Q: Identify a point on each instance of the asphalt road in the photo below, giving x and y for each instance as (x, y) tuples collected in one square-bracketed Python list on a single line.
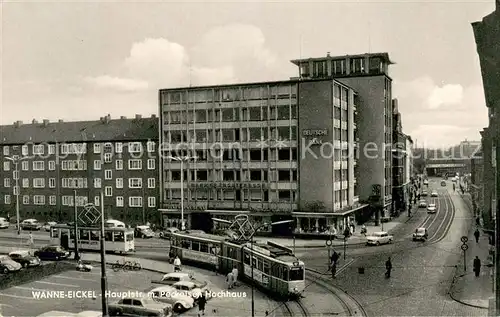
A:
[(21, 300), (422, 272)]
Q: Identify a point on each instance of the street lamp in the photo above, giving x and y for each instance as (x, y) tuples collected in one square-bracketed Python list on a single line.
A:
[(15, 160), (251, 247), (182, 159)]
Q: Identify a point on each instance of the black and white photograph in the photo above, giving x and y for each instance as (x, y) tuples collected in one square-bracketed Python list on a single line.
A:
[(242, 158)]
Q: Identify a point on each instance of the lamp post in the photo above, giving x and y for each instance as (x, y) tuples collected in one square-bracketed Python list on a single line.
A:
[(182, 159), (254, 231), (15, 160)]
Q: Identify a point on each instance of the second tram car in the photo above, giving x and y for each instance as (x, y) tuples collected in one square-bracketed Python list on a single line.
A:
[(275, 268)]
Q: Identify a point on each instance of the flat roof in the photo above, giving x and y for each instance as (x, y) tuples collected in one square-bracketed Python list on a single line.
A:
[(383, 55)]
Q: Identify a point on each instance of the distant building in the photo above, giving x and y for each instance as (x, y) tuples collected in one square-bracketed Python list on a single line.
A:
[(55, 159)]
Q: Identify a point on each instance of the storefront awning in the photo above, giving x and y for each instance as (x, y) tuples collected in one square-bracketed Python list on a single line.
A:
[(327, 214)]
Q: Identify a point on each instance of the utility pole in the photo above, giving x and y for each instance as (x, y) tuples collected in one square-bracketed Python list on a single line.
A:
[(496, 126), (104, 282)]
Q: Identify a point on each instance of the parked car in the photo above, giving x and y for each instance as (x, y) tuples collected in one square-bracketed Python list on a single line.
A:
[(46, 226), (31, 225), (434, 193), (422, 203), (420, 234), (52, 252), (172, 278), (170, 295), (431, 209), (195, 290), (24, 258), (7, 265), (4, 224), (144, 232), (378, 238), (168, 232), (139, 306)]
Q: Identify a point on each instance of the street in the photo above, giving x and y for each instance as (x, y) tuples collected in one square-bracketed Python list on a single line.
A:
[(422, 272)]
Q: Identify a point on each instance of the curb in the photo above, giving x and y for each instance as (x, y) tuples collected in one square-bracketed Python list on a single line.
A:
[(465, 303)]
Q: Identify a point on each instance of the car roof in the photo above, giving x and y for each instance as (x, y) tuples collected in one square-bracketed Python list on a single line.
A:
[(421, 228), (380, 232), (176, 274), (163, 288), (31, 219), (22, 252), (187, 283)]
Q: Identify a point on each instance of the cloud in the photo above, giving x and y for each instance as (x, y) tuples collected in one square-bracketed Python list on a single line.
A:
[(120, 84), (446, 95), (441, 115)]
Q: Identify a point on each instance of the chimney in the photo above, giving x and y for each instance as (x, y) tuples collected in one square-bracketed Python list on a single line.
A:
[(34, 121), (45, 122), (327, 54), (123, 118), (153, 116), (138, 117), (60, 121), (18, 123)]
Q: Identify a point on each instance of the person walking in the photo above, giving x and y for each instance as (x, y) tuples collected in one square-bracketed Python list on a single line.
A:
[(477, 266), (31, 241), (476, 235), (334, 258), (235, 275), (230, 280), (334, 269), (202, 301), (177, 264), (388, 267)]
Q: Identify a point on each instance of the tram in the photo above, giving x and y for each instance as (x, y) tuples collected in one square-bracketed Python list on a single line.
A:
[(116, 239), (275, 268)]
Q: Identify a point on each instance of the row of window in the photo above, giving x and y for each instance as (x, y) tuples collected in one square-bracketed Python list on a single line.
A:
[(39, 200), (81, 148), (339, 67), (230, 94), (81, 182), (81, 165), (232, 175), (283, 133)]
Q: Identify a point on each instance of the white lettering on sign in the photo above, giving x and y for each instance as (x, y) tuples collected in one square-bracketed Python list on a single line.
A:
[(199, 256), (308, 132), (257, 275)]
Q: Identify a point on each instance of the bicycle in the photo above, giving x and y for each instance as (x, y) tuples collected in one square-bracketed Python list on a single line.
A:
[(127, 266)]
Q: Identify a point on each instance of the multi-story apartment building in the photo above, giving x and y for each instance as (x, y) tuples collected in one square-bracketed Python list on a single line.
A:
[(273, 150), (52, 162), (400, 179), (368, 75), (410, 169)]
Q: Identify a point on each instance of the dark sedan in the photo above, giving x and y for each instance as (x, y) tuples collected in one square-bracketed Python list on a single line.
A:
[(52, 252), (24, 258)]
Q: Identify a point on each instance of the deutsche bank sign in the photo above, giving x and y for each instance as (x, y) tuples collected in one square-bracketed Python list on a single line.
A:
[(309, 132)]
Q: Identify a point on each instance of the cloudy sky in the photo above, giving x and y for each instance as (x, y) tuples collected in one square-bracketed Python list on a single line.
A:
[(80, 61)]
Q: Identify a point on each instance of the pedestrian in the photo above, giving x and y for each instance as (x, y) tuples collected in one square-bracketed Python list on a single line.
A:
[(478, 222), (230, 280), (476, 235), (177, 264), (202, 301), (388, 267), (235, 275), (31, 241), (477, 266), (334, 269), (334, 258)]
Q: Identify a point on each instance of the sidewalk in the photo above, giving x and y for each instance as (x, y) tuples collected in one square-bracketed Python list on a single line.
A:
[(466, 288), (235, 303)]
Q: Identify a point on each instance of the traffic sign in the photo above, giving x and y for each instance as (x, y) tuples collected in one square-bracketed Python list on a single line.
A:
[(464, 239), (328, 242), (464, 247)]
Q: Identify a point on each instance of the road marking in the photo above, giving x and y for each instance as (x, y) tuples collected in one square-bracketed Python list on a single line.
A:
[(73, 278), (31, 289), (17, 296), (58, 284)]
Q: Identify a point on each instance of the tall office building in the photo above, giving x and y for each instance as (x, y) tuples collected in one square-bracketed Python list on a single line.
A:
[(273, 150), (368, 75)]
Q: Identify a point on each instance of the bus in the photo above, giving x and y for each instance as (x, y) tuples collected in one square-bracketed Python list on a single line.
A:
[(117, 240)]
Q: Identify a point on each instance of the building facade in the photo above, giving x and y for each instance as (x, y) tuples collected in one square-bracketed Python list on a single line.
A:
[(410, 169), (487, 37), (400, 170), (273, 150), (54, 162), (368, 75)]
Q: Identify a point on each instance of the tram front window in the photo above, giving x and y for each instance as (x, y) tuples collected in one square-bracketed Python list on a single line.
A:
[(296, 274), (129, 237)]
